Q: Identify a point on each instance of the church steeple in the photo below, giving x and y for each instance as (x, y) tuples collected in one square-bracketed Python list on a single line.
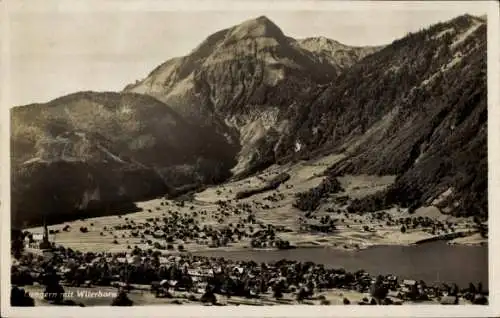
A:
[(45, 244), (45, 231)]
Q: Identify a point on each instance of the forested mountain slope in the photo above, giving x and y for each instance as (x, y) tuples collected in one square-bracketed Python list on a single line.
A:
[(105, 148), (417, 109)]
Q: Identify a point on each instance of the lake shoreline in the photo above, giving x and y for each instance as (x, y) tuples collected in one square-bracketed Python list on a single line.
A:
[(376, 260)]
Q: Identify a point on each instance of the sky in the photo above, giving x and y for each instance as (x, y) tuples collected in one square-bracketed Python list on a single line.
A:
[(55, 50)]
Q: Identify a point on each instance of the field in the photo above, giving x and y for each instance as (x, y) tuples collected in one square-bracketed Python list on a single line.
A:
[(272, 208)]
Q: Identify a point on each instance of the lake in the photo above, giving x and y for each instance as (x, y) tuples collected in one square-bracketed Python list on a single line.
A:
[(431, 262)]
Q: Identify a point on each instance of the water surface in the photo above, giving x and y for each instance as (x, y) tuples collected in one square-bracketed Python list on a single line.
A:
[(431, 262)]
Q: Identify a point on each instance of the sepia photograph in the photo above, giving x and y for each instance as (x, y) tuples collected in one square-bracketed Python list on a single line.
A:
[(314, 156)]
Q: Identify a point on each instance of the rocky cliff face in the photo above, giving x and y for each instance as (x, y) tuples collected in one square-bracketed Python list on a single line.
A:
[(243, 79)]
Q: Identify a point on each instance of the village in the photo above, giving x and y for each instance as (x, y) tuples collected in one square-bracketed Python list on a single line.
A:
[(149, 257), (178, 278)]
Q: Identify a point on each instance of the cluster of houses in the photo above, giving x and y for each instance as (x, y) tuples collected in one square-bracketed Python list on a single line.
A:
[(193, 273), (38, 241)]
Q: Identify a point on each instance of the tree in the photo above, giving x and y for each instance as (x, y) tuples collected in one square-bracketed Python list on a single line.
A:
[(122, 299), (472, 288), (281, 244), (209, 297), (20, 298), (379, 291), (480, 300), (17, 243), (228, 287), (454, 290), (54, 291), (414, 293), (17, 248), (310, 289), (302, 294), (278, 290), (403, 229)]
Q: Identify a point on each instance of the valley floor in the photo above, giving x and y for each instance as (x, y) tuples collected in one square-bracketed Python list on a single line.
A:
[(213, 220), (272, 208)]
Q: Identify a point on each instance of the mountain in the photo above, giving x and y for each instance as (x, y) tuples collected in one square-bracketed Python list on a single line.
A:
[(416, 109), (242, 80), (248, 97), (211, 109), (339, 55), (106, 148)]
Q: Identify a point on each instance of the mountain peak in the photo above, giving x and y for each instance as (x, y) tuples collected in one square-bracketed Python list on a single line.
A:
[(263, 19), (261, 26), (321, 42), (468, 19)]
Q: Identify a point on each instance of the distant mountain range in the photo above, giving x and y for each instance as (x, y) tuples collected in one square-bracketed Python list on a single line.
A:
[(249, 96)]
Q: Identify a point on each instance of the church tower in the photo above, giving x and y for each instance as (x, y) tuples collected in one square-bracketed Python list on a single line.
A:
[(45, 244)]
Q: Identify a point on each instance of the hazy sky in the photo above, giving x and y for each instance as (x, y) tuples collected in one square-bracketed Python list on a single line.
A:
[(56, 51)]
